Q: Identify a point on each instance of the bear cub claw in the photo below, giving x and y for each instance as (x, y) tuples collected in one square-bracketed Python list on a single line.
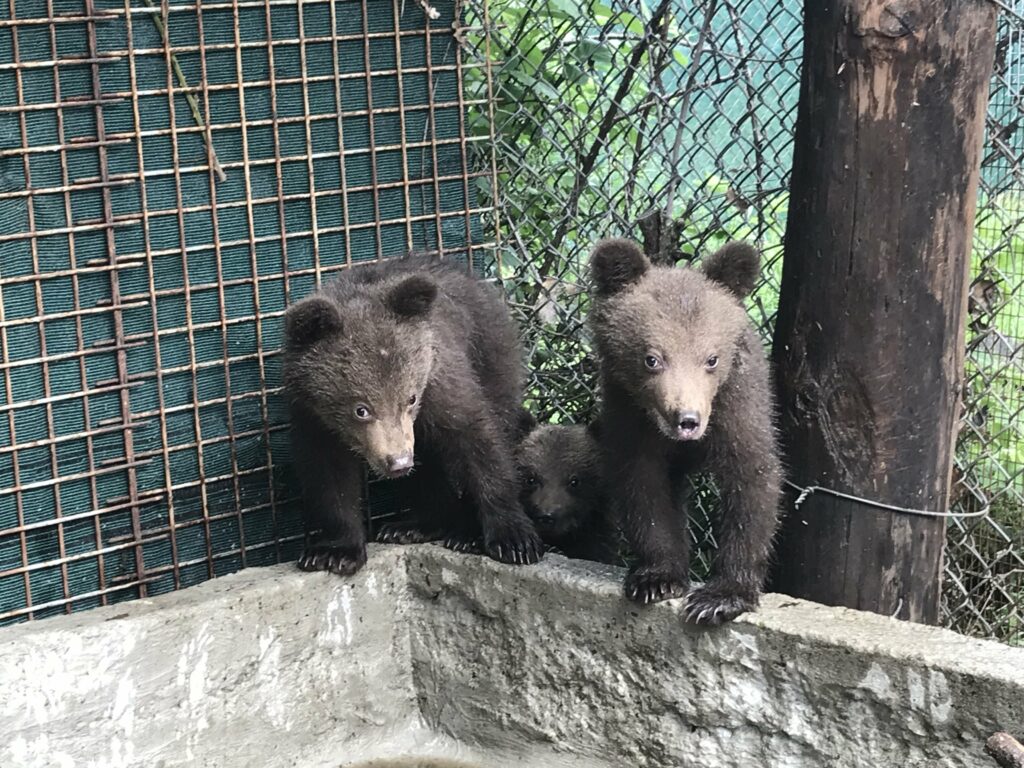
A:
[(650, 586), (715, 604), (470, 545), (342, 559), (405, 533), (516, 546)]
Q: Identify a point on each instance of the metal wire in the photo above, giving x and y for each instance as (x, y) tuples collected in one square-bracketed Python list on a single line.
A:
[(803, 492)]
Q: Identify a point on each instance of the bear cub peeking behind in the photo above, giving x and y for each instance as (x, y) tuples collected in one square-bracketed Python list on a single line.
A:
[(563, 490), (686, 388), (415, 368)]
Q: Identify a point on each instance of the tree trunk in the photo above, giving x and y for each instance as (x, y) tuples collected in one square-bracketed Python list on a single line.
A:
[(869, 340)]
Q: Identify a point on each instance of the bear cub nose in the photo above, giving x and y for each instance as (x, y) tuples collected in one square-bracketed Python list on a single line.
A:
[(399, 465), (688, 421)]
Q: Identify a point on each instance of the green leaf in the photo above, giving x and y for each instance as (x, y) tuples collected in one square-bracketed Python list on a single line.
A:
[(537, 86), (632, 23), (569, 9)]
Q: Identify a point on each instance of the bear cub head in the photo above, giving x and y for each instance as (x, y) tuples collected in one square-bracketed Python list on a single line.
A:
[(560, 471), (669, 337), (360, 360)]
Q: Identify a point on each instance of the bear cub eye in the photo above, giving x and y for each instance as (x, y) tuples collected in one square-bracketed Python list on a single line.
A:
[(413, 400), (574, 481), (652, 362), (362, 412), (711, 363), (530, 480)]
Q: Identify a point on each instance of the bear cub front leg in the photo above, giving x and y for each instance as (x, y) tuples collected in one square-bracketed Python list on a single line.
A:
[(643, 497), (332, 484)]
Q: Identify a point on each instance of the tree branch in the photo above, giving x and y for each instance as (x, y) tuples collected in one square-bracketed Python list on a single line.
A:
[(607, 121)]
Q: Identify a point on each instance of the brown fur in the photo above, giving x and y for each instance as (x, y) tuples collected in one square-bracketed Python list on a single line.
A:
[(563, 491), (686, 388), (407, 360)]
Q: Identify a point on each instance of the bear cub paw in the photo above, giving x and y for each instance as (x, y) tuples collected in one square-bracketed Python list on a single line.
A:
[(650, 585), (342, 559), (516, 545), (714, 604), (406, 533)]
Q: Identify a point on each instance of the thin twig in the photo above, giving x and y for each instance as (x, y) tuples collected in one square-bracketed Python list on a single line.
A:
[(684, 108), (583, 172), (658, 66), (197, 116), (755, 124)]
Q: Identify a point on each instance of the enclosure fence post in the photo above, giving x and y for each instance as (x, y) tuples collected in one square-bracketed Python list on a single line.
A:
[(869, 341)]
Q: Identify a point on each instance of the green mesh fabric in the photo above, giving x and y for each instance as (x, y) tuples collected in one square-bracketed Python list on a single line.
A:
[(143, 441)]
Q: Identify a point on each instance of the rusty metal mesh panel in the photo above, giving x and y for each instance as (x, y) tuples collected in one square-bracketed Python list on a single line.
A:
[(984, 590), (171, 177), (608, 110)]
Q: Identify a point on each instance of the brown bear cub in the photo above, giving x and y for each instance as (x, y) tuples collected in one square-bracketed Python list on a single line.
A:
[(405, 354), (563, 490), (686, 388)]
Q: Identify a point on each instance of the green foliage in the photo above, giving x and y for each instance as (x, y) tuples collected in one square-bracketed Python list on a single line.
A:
[(583, 137)]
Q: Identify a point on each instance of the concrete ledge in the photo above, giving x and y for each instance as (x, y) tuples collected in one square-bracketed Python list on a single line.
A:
[(435, 655)]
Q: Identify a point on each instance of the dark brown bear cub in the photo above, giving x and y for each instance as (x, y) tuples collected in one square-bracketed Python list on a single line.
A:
[(563, 490), (686, 388), (415, 367)]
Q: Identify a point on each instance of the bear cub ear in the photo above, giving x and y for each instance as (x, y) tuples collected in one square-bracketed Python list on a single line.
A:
[(736, 266), (525, 423), (310, 320), (617, 263), (413, 297)]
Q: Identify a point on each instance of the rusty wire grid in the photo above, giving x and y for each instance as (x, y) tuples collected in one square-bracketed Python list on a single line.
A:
[(171, 177), (680, 114)]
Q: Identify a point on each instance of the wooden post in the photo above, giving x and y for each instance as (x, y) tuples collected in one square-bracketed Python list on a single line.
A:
[(869, 340)]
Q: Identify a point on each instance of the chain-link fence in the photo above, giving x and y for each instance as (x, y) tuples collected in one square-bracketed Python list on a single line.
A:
[(673, 123), (984, 592)]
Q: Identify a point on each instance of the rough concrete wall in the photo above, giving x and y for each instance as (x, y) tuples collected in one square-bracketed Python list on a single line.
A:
[(263, 668), (430, 653), (555, 655)]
